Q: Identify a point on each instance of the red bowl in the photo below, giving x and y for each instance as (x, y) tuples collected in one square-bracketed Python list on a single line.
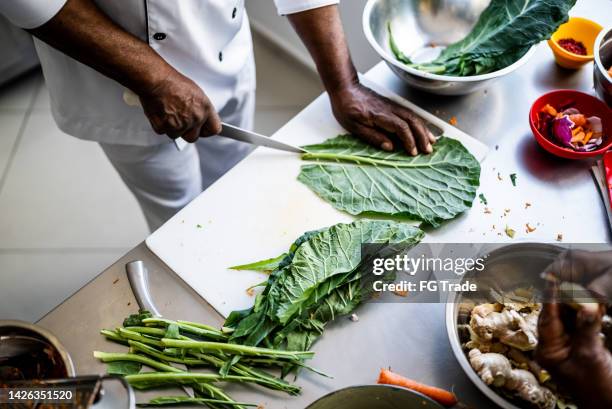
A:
[(587, 105)]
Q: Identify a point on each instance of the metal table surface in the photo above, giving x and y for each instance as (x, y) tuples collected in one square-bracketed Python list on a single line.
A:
[(411, 338)]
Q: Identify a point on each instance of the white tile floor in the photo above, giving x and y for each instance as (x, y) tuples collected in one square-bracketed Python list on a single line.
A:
[(57, 228)]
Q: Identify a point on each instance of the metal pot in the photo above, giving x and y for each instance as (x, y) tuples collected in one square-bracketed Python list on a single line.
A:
[(603, 62), (516, 263), (19, 339), (374, 397), (421, 23)]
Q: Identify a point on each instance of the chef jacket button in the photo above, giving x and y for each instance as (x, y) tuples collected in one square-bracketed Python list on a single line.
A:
[(220, 56), (234, 12), (159, 36)]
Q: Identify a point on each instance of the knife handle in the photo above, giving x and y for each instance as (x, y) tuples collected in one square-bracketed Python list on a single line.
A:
[(138, 276)]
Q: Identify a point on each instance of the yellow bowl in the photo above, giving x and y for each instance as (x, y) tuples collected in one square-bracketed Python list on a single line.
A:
[(579, 29)]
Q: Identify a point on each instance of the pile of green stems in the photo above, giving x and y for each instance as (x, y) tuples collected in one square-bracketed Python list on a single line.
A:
[(197, 345)]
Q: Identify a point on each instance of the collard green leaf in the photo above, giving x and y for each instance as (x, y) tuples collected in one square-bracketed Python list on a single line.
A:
[(361, 180), (321, 280), (505, 31), (331, 252)]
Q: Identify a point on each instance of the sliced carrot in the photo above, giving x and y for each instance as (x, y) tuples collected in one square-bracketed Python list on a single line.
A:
[(579, 137), (549, 110), (576, 130), (441, 396), (578, 119), (587, 138)]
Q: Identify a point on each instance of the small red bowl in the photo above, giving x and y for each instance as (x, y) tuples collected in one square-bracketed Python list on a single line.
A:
[(587, 105)]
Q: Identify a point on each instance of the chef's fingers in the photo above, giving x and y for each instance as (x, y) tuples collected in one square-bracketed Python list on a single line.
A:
[(588, 327), (579, 266), (373, 137), (602, 287), (398, 127), (416, 123), (551, 331), (212, 126), (193, 134)]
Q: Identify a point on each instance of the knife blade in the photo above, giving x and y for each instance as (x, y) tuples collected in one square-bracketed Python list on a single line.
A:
[(242, 135)]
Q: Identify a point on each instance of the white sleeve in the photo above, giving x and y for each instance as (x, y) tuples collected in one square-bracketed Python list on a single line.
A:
[(30, 13), (285, 7)]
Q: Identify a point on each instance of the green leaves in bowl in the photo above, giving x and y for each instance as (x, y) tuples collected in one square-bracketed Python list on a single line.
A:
[(505, 31)]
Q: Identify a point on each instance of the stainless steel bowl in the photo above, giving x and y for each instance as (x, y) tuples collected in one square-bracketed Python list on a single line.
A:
[(374, 397), (505, 265), (603, 61), (19, 338), (421, 29)]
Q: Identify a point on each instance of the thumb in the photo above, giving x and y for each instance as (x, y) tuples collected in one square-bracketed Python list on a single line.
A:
[(588, 325)]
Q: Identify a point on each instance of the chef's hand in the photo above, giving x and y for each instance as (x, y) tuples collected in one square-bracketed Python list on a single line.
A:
[(571, 350), (591, 269), (174, 104), (375, 119), (177, 107), (379, 121)]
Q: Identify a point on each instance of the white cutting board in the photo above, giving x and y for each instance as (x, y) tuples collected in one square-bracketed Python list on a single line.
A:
[(257, 210)]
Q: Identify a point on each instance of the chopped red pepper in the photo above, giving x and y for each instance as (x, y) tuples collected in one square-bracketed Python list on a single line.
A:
[(573, 46)]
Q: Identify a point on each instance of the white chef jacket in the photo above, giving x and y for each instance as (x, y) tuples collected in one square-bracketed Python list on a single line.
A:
[(208, 41)]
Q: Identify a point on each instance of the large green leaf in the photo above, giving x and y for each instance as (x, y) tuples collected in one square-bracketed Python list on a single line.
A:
[(361, 180), (332, 252), (320, 279), (505, 31)]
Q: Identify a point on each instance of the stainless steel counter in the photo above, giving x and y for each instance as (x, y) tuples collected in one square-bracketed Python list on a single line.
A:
[(410, 338)]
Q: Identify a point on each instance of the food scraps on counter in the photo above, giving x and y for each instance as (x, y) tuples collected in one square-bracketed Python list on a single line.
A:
[(483, 199), (568, 127), (160, 344), (513, 179), (573, 46), (505, 31), (359, 179), (444, 397)]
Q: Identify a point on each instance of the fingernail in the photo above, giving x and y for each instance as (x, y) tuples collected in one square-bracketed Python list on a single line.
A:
[(387, 146), (414, 152), (428, 148)]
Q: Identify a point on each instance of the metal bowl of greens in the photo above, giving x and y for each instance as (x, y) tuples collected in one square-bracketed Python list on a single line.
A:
[(602, 70), (374, 397), (454, 47)]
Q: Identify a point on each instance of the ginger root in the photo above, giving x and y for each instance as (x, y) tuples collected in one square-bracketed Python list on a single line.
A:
[(495, 369), (510, 327)]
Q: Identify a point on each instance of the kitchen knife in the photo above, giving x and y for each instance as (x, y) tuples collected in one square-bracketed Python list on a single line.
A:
[(138, 276), (242, 135), (599, 172)]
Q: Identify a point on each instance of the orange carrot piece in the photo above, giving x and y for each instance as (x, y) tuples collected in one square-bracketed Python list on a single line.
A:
[(578, 119), (441, 396), (576, 130), (579, 137), (587, 138), (549, 110)]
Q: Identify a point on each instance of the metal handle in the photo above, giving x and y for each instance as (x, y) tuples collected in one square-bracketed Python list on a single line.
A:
[(138, 276)]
